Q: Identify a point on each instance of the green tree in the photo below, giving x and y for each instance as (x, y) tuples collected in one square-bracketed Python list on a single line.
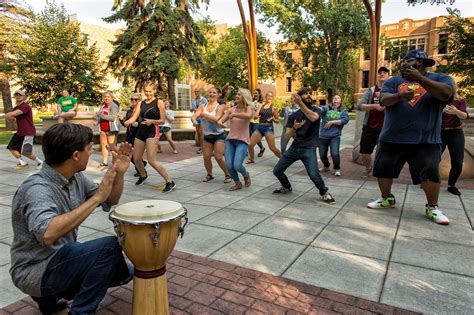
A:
[(225, 59), (329, 33), (160, 37), (459, 60), (14, 18), (56, 56)]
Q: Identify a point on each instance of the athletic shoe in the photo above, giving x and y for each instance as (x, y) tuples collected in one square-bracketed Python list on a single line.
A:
[(141, 180), (282, 190), (324, 169), (434, 214), (367, 173), (454, 190), (20, 166), (175, 152), (337, 173), (382, 203), (169, 187), (327, 198), (38, 166), (50, 305)]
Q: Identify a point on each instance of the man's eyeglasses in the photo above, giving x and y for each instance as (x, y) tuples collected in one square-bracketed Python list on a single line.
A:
[(134, 99)]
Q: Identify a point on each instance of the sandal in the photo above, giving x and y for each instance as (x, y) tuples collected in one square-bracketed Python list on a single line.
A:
[(262, 150), (249, 161), (237, 186), (247, 180), (102, 165), (227, 179), (208, 178)]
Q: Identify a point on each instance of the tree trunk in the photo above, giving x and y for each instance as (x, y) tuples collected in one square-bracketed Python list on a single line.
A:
[(171, 85), (7, 100), (330, 92)]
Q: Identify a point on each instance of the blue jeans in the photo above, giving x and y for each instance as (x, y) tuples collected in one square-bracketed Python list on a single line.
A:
[(306, 155), (253, 128), (83, 272), (234, 153), (333, 144), (283, 141)]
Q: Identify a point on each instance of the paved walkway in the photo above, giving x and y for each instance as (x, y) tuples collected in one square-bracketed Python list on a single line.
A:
[(396, 257)]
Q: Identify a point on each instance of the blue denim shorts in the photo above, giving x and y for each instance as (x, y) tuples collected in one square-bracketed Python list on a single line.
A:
[(265, 129), (215, 138)]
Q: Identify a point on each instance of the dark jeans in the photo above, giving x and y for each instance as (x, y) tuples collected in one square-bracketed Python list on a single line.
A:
[(306, 155), (83, 272), (454, 140), (253, 127), (333, 144), (283, 141)]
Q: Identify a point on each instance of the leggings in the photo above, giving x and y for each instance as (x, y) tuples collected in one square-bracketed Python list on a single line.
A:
[(454, 140)]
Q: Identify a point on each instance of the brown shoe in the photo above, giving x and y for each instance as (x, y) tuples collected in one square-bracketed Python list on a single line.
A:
[(247, 180), (237, 186)]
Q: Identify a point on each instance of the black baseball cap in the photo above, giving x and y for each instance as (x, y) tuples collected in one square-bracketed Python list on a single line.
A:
[(420, 54), (385, 69)]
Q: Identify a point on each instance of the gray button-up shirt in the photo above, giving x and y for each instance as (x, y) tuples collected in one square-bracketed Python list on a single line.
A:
[(39, 199)]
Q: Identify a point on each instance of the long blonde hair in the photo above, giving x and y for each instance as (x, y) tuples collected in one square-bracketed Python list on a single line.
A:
[(246, 97)]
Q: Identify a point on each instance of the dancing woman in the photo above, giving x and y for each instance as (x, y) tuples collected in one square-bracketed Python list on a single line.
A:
[(166, 127), (214, 134), (151, 112), (257, 102), (238, 139), (107, 119), (267, 115)]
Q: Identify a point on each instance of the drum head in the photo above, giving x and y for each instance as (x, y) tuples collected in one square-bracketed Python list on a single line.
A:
[(148, 211)]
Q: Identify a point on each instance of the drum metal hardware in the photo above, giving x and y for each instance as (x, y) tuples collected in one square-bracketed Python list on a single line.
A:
[(181, 227), (155, 235), (120, 233)]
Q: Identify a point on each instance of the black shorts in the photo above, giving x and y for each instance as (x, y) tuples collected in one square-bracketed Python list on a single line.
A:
[(215, 138), (423, 161), (369, 139), (22, 144), (146, 132)]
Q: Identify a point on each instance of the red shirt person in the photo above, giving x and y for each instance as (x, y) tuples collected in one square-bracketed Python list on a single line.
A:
[(21, 144)]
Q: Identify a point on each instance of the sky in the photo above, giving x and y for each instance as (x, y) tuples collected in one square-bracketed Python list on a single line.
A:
[(226, 11)]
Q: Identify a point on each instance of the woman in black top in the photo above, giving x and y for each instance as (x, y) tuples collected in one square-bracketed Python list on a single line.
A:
[(151, 113)]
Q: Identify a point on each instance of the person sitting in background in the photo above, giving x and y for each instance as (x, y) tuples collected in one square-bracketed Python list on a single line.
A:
[(452, 136), (67, 107), (334, 117), (21, 144)]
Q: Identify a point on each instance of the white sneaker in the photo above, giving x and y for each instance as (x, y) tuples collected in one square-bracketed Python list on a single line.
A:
[(435, 215), (324, 169), (38, 166), (382, 203), (20, 166), (337, 173), (327, 198)]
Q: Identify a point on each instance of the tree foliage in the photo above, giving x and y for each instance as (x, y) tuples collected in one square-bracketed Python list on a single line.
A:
[(460, 58), (160, 36), (328, 32), (56, 56), (225, 59)]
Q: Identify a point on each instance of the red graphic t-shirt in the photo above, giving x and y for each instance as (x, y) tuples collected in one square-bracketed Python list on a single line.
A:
[(25, 120), (376, 117), (104, 124)]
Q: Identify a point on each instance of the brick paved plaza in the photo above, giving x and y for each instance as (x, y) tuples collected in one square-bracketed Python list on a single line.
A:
[(251, 251)]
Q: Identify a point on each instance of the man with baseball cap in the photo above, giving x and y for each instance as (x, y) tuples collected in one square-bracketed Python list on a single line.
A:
[(412, 131), (373, 120), (21, 144)]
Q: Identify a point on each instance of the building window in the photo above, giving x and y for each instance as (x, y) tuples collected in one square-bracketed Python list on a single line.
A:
[(367, 54), (289, 60), (412, 44), (421, 43), (288, 84), (322, 102), (443, 44), (365, 79)]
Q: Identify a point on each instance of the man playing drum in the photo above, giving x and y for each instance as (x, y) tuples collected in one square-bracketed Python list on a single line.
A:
[(47, 261)]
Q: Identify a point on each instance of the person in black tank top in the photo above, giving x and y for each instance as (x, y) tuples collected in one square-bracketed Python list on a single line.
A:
[(151, 112), (267, 114)]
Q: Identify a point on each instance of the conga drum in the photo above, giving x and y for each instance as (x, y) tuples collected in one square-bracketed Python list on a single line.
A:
[(147, 230)]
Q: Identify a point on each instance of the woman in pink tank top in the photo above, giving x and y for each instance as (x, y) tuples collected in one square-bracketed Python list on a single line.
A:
[(238, 139)]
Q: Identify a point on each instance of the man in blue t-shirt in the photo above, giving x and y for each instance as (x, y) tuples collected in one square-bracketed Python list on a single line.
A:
[(412, 131), (303, 126), (197, 101)]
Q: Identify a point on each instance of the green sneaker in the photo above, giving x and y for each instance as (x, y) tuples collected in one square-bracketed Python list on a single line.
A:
[(382, 203), (434, 214)]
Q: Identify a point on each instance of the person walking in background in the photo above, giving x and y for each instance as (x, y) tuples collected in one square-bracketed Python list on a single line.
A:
[(452, 136), (166, 127), (257, 102), (21, 143), (214, 134), (197, 101), (108, 121), (267, 115), (133, 128), (373, 120), (285, 113), (237, 141), (303, 127), (151, 114), (411, 132), (66, 107), (334, 117)]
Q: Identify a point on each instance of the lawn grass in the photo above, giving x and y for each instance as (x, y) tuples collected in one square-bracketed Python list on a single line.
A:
[(5, 137)]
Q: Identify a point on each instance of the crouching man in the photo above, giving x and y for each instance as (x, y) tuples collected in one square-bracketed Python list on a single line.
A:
[(47, 262)]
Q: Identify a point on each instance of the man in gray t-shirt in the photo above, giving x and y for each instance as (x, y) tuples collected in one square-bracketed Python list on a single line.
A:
[(47, 261)]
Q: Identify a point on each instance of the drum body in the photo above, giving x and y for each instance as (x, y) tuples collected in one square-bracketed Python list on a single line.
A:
[(147, 231)]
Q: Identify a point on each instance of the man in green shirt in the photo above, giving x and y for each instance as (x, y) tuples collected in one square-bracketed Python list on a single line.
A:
[(67, 107)]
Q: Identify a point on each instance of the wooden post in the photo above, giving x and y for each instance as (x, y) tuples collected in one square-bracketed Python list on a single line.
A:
[(374, 20)]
